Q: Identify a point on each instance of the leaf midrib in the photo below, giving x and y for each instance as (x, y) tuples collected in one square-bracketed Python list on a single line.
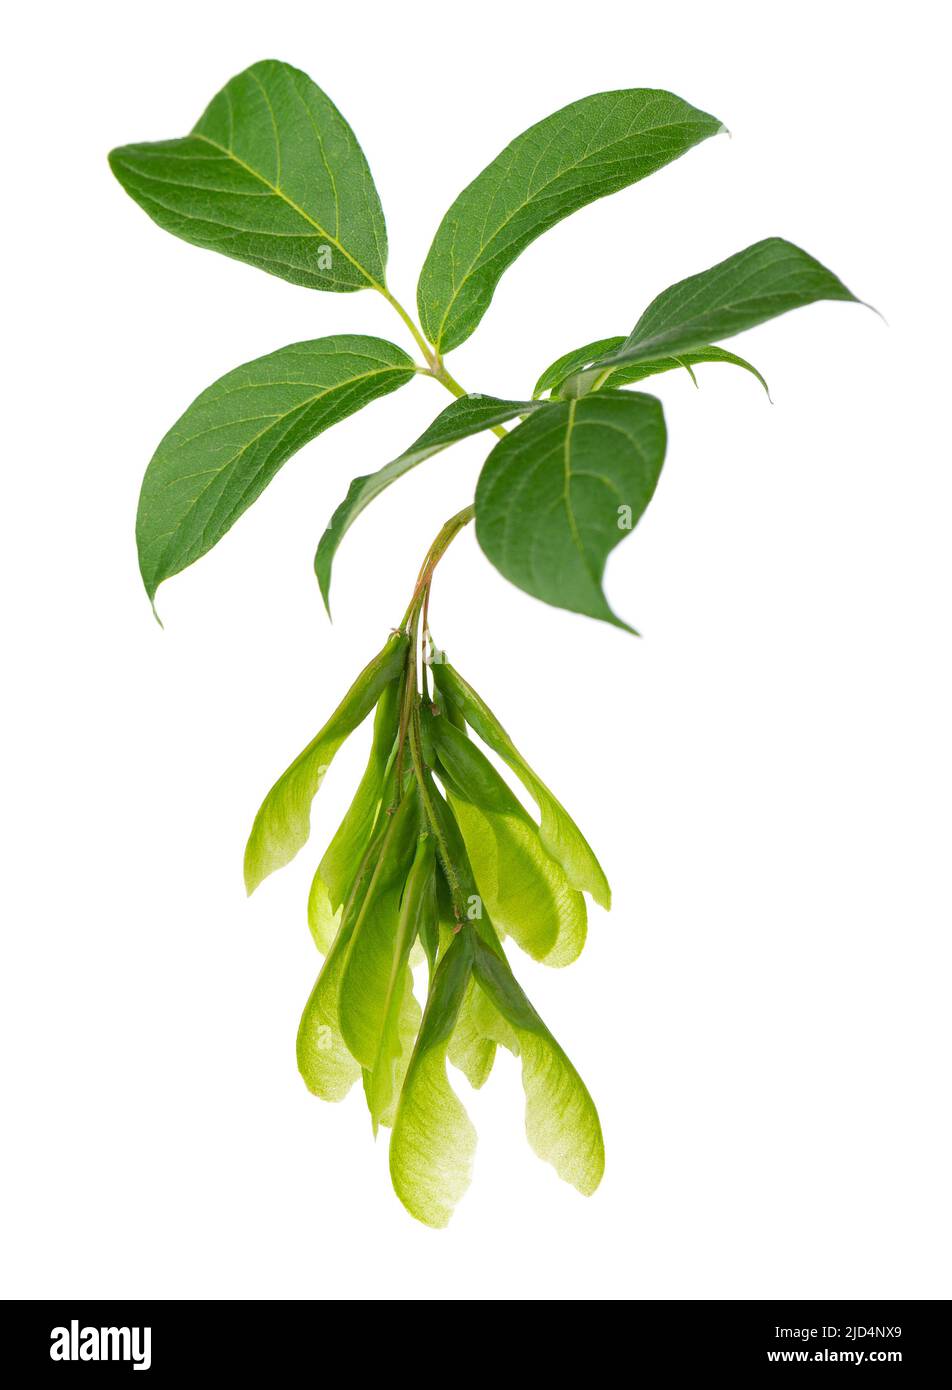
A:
[(567, 485), (280, 193), (537, 193), (690, 317), (274, 421)]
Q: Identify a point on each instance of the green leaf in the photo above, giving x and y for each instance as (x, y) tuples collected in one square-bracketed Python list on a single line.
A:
[(561, 1120), (283, 822), (336, 870), (221, 454), (272, 175), (524, 890), (558, 494), (586, 150), (557, 371), (559, 834), (463, 417), (637, 371), (554, 377), (400, 1016), (433, 1141), (769, 278)]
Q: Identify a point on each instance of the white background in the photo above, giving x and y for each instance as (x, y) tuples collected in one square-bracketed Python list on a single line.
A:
[(763, 1018)]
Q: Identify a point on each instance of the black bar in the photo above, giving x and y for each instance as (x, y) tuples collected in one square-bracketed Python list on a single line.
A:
[(877, 1337)]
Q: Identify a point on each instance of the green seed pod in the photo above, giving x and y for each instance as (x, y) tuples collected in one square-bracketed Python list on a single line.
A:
[(370, 962), (525, 891), (400, 1014), (283, 822), (328, 1068), (562, 1123), (342, 856), (560, 835), (433, 1140), (428, 911), (472, 1047)]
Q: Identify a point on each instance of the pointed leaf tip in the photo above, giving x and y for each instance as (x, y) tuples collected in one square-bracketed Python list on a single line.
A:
[(591, 148), (767, 279), (221, 454), (565, 487), (272, 175)]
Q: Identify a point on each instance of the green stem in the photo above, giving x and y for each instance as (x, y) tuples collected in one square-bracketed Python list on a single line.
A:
[(425, 644), (435, 365), (421, 593), (408, 697), (442, 374), (410, 732), (418, 337), (437, 550)]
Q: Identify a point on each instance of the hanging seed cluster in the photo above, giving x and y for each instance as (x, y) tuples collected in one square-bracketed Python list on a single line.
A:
[(436, 861), (436, 855)]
